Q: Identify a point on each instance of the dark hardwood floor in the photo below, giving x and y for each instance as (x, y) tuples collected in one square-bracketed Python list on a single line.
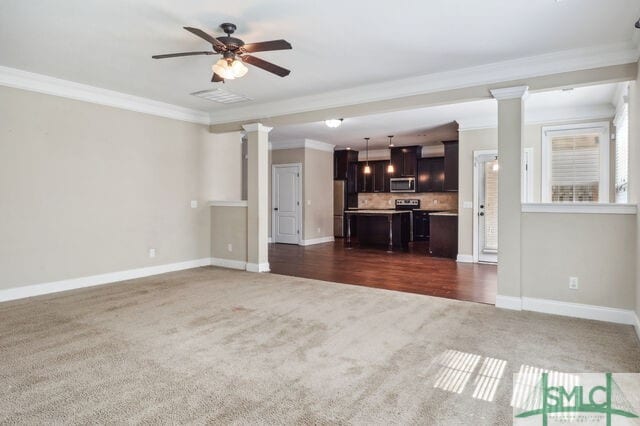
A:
[(411, 271)]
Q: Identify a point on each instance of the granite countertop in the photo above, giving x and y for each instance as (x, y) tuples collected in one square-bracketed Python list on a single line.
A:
[(435, 209), (448, 213), (374, 211)]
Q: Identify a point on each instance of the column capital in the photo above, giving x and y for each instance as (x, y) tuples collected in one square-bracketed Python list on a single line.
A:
[(510, 92), (256, 127)]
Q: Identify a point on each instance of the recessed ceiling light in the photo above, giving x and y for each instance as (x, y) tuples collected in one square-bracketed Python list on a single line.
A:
[(221, 96), (333, 122)]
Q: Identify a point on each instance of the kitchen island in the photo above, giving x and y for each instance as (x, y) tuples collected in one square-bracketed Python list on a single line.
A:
[(390, 228), (444, 234)]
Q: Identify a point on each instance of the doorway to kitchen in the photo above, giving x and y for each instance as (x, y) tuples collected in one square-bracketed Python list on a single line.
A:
[(286, 206)]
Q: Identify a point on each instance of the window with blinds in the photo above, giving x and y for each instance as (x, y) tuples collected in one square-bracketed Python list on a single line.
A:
[(575, 168), (622, 155), (575, 163)]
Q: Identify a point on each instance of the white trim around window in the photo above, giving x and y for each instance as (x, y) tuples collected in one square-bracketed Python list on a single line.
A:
[(576, 208), (548, 132)]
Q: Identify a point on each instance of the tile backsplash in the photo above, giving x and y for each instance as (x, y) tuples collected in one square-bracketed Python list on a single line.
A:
[(428, 200)]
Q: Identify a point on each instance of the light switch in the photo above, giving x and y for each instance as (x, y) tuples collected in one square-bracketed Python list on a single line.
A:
[(467, 204), (308, 202), (194, 204), (152, 253)]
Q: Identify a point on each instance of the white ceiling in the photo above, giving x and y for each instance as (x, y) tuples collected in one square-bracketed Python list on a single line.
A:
[(428, 125), (336, 44)]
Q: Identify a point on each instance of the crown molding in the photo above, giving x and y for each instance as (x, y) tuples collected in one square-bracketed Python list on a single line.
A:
[(517, 92), (543, 116), (511, 70), (302, 143), (33, 82), (256, 127)]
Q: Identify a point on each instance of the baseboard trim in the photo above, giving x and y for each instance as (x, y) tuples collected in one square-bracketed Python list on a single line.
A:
[(569, 309), (258, 267), (228, 263), (465, 258), (508, 302), (269, 240), (320, 240), (96, 280), (637, 325)]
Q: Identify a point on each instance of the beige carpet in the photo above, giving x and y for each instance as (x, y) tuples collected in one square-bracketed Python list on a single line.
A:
[(218, 346)]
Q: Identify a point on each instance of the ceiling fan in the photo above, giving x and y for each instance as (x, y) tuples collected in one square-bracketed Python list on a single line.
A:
[(234, 52)]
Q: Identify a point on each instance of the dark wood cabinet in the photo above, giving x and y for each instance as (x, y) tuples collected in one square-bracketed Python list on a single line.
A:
[(377, 180), (365, 181), (420, 226), (342, 160), (450, 165), (430, 175), (443, 235), (405, 160)]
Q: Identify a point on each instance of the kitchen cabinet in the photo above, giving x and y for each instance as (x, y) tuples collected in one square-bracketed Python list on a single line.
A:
[(377, 180), (365, 181), (443, 234), (342, 160), (420, 225), (405, 160), (430, 175), (450, 165)]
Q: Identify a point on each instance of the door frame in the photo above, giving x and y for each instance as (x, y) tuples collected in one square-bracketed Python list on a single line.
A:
[(274, 167), (526, 189), (476, 189)]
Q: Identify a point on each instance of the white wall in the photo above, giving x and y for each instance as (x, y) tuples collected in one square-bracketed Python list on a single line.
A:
[(634, 174), (88, 189)]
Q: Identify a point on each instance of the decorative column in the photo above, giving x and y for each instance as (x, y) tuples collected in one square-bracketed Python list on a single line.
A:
[(257, 197), (510, 136)]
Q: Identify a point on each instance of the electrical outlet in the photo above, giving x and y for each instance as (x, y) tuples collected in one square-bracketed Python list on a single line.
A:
[(573, 283), (308, 202), (230, 247), (194, 204), (318, 230), (435, 201), (152, 252)]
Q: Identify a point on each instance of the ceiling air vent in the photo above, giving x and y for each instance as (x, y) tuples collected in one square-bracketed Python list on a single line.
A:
[(221, 96)]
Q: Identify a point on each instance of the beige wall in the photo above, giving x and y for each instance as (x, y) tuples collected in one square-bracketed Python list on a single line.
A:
[(229, 226), (599, 249), (88, 189), (487, 139), (317, 189), (221, 165), (318, 194)]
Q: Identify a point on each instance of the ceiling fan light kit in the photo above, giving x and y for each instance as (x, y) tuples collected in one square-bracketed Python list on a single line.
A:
[(234, 52), (333, 122)]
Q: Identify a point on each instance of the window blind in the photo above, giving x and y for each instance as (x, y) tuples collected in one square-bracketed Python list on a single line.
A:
[(575, 168), (622, 155)]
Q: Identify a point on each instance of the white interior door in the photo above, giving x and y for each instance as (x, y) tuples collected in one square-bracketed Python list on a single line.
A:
[(487, 210), (286, 204)]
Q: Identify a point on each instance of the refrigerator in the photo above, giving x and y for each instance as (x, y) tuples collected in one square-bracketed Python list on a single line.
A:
[(344, 198), (339, 203)]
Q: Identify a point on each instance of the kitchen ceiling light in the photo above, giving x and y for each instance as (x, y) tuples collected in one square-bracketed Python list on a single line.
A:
[(390, 168), (333, 122), (367, 169)]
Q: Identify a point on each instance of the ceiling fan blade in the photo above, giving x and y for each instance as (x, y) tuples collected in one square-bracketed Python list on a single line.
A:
[(173, 55), (267, 66), (217, 44), (216, 78), (266, 45)]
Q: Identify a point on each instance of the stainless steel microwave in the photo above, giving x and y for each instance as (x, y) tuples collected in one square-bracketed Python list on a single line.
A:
[(407, 184)]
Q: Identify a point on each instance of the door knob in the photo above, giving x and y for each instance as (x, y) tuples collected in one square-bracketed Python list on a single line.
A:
[(275, 208), (482, 206), (481, 214)]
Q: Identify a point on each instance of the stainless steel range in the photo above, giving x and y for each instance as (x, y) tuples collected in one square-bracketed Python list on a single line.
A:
[(408, 204)]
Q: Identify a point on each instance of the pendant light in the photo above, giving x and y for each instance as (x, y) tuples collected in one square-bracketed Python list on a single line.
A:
[(367, 169), (390, 168)]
